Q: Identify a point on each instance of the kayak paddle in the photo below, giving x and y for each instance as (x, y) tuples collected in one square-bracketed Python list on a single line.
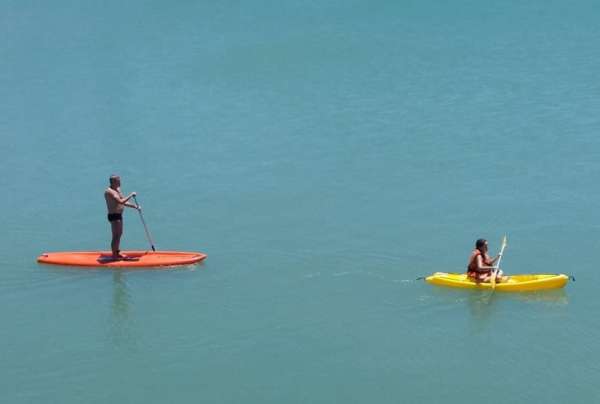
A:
[(495, 271), (145, 227)]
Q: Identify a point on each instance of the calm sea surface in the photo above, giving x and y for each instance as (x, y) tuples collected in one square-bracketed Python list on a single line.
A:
[(324, 154)]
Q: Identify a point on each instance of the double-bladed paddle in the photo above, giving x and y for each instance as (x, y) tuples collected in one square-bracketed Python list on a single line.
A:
[(497, 266)]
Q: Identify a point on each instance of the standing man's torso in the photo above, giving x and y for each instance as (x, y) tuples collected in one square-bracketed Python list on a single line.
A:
[(112, 200)]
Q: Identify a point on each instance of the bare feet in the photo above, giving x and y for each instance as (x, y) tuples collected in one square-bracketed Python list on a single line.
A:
[(118, 256)]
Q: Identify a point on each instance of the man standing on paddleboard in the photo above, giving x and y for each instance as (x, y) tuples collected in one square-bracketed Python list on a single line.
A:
[(115, 202)]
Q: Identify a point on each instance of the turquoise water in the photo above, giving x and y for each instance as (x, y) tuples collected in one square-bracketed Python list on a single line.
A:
[(324, 155)]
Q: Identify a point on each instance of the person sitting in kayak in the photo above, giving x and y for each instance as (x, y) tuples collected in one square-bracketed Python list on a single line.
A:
[(481, 265), (115, 202)]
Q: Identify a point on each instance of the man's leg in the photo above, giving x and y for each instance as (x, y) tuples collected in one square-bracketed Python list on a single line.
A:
[(117, 230)]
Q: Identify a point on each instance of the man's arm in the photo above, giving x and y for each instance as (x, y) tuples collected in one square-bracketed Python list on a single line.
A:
[(480, 265), (122, 201), (131, 205), (493, 260)]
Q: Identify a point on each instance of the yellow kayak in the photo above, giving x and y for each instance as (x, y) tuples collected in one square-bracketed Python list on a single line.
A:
[(515, 283)]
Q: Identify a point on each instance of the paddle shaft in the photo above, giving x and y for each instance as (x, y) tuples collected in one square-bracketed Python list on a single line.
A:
[(145, 226), (495, 271)]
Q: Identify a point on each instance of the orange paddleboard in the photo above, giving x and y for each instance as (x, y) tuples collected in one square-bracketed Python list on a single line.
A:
[(132, 259)]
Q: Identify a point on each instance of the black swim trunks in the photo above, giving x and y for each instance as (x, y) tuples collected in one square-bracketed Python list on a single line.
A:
[(113, 217)]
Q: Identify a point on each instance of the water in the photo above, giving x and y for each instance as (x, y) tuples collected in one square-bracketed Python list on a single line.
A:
[(324, 155)]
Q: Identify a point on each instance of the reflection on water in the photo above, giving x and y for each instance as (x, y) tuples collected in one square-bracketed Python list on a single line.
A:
[(121, 324), (482, 305), (555, 297)]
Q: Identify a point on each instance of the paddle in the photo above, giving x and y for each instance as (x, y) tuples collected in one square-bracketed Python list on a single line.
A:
[(145, 227), (497, 266)]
